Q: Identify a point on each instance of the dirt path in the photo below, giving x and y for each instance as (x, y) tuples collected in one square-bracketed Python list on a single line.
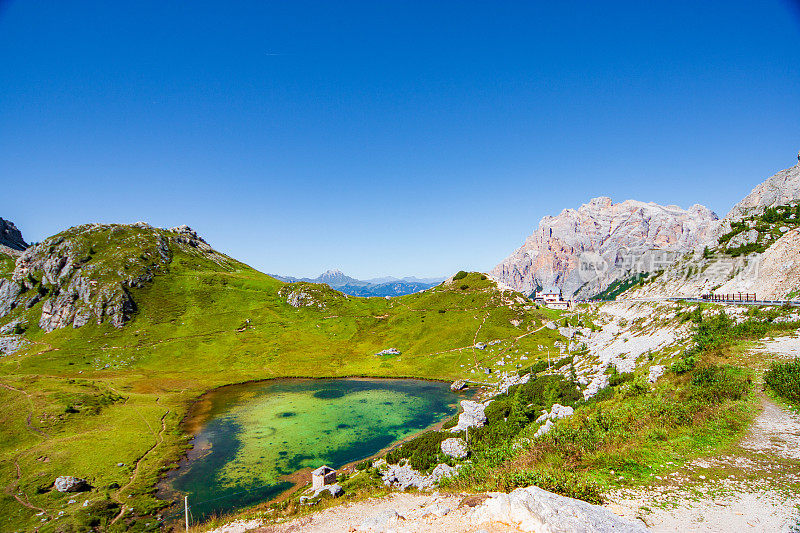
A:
[(755, 488), (12, 490), (30, 412), (135, 473)]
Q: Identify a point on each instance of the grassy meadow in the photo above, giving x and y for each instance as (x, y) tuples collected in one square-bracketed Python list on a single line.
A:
[(81, 401)]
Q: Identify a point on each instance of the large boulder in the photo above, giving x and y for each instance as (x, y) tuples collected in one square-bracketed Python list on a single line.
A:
[(335, 490), (656, 371), (70, 484), (455, 448), (535, 509), (472, 416)]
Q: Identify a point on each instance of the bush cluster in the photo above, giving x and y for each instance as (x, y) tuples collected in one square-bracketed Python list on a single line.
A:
[(784, 379), (715, 384), (423, 452), (459, 275), (563, 482)]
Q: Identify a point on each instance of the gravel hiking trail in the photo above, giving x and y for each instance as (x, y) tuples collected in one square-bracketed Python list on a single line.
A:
[(755, 488)]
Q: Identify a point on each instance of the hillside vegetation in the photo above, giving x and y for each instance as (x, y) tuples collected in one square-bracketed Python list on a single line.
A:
[(82, 400)]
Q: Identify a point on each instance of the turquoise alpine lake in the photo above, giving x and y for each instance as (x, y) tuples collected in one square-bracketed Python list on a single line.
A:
[(249, 437)]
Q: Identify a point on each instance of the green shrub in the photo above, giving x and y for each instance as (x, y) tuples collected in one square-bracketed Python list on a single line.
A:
[(464, 287), (686, 363), (97, 513), (543, 364), (635, 387), (618, 379), (563, 482), (423, 452), (718, 383), (459, 275), (784, 379), (508, 414)]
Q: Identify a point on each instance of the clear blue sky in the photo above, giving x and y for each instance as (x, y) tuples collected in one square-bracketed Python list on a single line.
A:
[(385, 137)]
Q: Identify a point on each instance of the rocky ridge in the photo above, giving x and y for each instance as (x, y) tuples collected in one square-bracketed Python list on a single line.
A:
[(750, 253), (11, 241), (584, 250), (781, 188), (86, 273)]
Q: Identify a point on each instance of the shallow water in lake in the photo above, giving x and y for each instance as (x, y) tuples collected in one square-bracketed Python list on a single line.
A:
[(247, 437)]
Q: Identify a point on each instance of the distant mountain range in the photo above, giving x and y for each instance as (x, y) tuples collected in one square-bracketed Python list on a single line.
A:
[(386, 286)]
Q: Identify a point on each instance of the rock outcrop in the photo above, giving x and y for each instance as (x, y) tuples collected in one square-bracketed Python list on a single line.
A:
[(472, 416), (405, 477), (535, 509), (769, 268), (776, 273), (11, 237), (86, 274), (584, 250)]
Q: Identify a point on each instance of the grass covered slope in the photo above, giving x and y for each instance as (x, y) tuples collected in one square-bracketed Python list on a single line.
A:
[(80, 401)]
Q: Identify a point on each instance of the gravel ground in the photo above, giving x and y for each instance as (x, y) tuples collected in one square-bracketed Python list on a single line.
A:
[(416, 510)]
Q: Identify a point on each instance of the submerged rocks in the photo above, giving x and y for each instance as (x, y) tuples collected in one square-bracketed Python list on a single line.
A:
[(70, 484), (454, 447), (472, 416), (535, 509), (459, 384)]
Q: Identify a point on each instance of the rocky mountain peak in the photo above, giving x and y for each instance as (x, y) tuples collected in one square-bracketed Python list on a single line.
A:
[(610, 235), (335, 277), (10, 236), (86, 273)]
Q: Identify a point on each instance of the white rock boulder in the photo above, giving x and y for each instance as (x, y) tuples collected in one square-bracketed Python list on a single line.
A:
[(656, 371), (455, 448), (472, 416), (535, 509)]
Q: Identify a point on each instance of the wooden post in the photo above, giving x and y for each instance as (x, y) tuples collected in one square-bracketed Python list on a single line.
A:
[(186, 510)]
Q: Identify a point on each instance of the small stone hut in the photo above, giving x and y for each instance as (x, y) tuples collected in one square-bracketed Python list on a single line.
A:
[(322, 476)]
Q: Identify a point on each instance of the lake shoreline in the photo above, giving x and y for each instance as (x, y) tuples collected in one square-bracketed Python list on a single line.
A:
[(199, 412)]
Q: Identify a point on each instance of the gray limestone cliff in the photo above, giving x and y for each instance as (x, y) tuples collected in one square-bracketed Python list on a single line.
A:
[(608, 235), (11, 237)]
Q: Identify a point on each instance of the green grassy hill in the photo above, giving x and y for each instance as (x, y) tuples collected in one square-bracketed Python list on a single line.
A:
[(78, 401)]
